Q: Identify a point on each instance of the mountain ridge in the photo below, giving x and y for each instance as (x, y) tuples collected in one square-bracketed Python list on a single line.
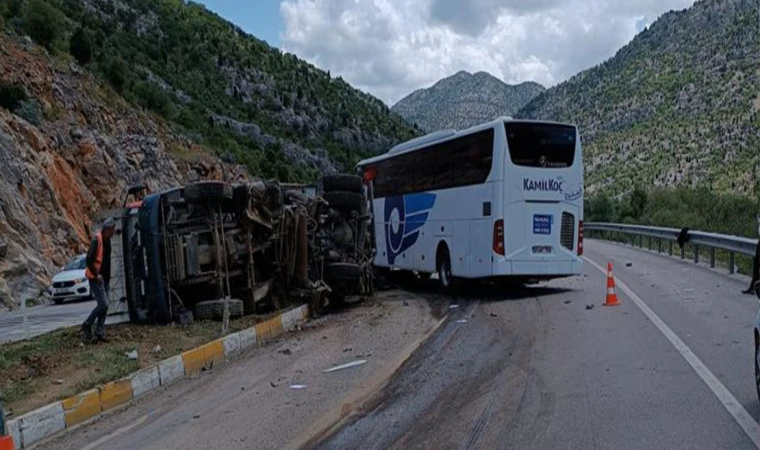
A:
[(463, 100), (677, 106)]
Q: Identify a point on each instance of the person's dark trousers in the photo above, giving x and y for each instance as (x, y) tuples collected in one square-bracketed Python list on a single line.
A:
[(99, 290)]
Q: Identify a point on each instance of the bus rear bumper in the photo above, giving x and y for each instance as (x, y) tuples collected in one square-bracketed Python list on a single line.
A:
[(538, 269)]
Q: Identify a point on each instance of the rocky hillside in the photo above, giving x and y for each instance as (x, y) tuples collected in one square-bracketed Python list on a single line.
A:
[(677, 106), (75, 151), (97, 95), (464, 100)]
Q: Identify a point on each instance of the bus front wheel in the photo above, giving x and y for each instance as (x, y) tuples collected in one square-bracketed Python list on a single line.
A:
[(444, 269)]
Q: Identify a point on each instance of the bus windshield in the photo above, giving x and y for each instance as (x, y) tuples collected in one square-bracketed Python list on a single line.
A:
[(541, 145)]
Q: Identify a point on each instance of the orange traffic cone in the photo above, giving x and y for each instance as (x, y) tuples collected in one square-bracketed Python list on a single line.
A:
[(612, 299), (6, 443)]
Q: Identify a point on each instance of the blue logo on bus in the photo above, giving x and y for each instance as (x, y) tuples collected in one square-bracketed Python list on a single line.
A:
[(404, 216)]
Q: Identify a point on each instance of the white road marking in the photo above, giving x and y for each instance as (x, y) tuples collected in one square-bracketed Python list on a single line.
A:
[(737, 411)]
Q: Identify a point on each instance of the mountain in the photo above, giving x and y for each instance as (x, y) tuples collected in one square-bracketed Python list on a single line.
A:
[(677, 106), (97, 95), (463, 100)]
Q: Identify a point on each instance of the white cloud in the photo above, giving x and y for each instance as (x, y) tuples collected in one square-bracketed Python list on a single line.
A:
[(392, 47)]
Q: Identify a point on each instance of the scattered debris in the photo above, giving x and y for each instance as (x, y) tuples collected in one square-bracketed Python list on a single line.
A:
[(286, 352), (494, 315), (242, 388), (688, 290), (358, 362), (197, 416), (156, 349), (589, 306), (298, 387), (132, 355), (349, 349), (628, 264), (453, 306), (462, 321), (324, 337), (406, 302), (59, 382), (567, 302), (273, 384)]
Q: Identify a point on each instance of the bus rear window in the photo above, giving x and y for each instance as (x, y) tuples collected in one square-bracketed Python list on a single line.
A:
[(541, 145)]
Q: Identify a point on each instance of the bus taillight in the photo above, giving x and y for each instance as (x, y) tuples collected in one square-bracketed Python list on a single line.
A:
[(580, 238), (498, 237)]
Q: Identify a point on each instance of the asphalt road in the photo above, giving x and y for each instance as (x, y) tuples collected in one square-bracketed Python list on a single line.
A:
[(43, 319), (538, 369), (534, 368)]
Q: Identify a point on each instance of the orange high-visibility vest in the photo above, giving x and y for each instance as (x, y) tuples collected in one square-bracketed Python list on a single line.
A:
[(98, 260)]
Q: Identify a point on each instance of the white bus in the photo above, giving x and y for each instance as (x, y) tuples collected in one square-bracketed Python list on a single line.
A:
[(502, 200)]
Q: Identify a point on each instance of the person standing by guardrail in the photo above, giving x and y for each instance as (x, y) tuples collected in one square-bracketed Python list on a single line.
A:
[(98, 272), (755, 264)]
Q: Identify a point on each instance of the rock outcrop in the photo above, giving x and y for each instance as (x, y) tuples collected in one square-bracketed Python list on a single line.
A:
[(89, 147)]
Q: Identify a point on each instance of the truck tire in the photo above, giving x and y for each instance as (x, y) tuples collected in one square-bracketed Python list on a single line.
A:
[(345, 200), (208, 192), (214, 309), (344, 272), (343, 182)]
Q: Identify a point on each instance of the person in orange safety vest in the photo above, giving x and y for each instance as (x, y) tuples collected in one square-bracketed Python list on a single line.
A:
[(98, 272)]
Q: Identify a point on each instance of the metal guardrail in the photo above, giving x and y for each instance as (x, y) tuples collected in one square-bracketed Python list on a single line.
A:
[(699, 239)]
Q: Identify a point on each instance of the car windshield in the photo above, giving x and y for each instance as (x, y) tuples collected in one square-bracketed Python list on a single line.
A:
[(78, 263)]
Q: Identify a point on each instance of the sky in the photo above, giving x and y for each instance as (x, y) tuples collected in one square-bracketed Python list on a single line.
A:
[(390, 48)]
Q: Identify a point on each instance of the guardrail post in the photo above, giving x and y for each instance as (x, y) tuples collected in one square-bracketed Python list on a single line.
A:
[(659, 245), (696, 254), (683, 252), (650, 243), (731, 263), (670, 248), (712, 257)]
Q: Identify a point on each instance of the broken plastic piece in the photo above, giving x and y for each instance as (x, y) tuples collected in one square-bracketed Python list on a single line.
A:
[(131, 355), (462, 321), (298, 387), (358, 362), (454, 306)]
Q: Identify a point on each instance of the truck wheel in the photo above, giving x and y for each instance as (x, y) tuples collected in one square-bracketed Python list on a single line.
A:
[(343, 182), (208, 192), (344, 272), (344, 200)]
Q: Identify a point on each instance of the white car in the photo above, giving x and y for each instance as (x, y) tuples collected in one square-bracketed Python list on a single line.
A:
[(71, 283)]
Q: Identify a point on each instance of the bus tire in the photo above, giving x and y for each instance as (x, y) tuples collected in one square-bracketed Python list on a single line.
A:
[(345, 200), (342, 182), (443, 266)]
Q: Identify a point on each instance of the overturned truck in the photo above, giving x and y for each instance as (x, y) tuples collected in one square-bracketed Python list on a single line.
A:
[(254, 247)]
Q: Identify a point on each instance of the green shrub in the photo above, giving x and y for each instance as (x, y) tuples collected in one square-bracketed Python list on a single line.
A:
[(150, 96), (11, 96), (115, 71), (30, 111), (43, 23), (80, 46)]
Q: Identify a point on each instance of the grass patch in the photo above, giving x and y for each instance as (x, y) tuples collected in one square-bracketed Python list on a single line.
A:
[(58, 365)]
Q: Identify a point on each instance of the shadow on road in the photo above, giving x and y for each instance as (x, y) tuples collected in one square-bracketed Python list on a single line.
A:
[(469, 289)]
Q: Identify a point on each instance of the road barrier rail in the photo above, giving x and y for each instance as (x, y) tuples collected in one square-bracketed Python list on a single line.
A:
[(699, 240)]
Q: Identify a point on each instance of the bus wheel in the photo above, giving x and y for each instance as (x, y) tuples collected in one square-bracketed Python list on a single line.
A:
[(444, 269)]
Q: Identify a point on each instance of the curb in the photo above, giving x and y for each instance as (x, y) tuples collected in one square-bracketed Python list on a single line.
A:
[(55, 418)]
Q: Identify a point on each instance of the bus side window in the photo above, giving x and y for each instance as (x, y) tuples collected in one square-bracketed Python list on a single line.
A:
[(443, 165)]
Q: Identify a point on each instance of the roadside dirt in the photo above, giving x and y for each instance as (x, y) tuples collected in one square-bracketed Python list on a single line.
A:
[(58, 365), (279, 396)]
